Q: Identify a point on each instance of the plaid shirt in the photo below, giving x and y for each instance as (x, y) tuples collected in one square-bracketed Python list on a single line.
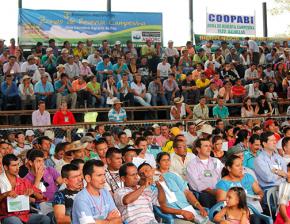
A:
[(21, 186), (117, 117)]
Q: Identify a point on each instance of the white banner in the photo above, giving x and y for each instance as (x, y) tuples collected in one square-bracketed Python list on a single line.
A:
[(142, 36), (230, 24)]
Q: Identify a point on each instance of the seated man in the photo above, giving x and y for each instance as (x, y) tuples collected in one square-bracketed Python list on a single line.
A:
[(156, 90), (117, 113), (109, 90), (79, 86), (152, 146), (134, 201), (13, 186), (44, 91), (203, 173), (10, 95), (63, 199), (64, 91), (220, 111), (270, 168), (190, 90), (44, 178), (94, 203)]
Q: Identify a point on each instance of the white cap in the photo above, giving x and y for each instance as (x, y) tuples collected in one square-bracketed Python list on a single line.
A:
[(49, 49), (117, 42), (29, 133), (128, 133), (155, 126)]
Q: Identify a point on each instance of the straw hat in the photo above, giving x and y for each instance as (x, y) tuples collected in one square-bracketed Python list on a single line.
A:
[(25, 77), (178, 100), (207, 129)]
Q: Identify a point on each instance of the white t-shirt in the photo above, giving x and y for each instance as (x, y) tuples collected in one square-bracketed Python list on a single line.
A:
[(164, 69), (138, 89), (253, 46), (25, 67)]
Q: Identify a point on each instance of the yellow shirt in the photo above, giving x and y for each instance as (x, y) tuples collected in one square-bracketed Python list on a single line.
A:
[(200, 84), (169, 147), (81, 53)]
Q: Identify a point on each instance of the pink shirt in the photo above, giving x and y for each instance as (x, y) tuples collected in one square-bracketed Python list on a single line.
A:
[(202, 174), (85, 70), (161, 140)]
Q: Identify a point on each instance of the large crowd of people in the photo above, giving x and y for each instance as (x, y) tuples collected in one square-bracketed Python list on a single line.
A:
[(118, 174), (93, 77)]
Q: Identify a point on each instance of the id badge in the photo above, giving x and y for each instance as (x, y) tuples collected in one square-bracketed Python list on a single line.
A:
[(65, 119), (207, 173)]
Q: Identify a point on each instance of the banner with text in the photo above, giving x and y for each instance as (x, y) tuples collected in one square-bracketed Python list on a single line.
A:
[(230, 24), (41, 25)]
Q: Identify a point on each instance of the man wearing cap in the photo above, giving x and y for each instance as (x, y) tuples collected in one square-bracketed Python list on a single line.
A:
[(180, 110), (62, 58), (171, 53), (29, 66), (65, 92), (29, 136), (85, 69), (104, 68), (11, 67), (117, 49), (44, 90), (87, 141), (71, 68), (49, 61), (270, 167), (10, 95), (200, 111), (26, 93), (117, 113), (80, 50), (207, 47)]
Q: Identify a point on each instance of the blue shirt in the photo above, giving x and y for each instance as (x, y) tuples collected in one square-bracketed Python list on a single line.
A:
[(40, 88), (177, 185), (154, 150), (116, 67), (12, 91), (117, 117), (220, 112), (101, 66), (249, 159), (58, 84), (264, 163), (97, 207), (246, 183)]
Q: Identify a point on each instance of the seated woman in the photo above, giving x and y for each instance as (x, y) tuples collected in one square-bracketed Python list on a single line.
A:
[(177, 199), (233, 176), (272, 98), (283, 216), (217, 151), (263, 108), (180, 110), (26, 93), (236, 210), (247, 109)]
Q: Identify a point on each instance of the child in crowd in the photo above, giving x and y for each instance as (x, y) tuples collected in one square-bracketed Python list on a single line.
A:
[(283, 216), (236, 210)]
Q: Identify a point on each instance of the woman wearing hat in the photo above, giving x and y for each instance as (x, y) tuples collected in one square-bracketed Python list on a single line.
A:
[(26, 92), (85, 69), (180, 110)]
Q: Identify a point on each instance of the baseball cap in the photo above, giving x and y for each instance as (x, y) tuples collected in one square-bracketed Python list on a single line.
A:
[(29, 133)]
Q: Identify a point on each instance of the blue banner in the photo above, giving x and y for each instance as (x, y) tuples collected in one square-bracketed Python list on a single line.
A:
[(41, 25)]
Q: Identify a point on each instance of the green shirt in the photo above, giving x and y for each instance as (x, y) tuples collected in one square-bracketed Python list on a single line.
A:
[(95, 87)]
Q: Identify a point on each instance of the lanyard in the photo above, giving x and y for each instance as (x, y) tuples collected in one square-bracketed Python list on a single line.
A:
[(98, 208)]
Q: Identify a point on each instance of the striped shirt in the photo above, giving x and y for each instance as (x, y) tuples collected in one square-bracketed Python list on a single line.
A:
[(139, 211), (117, 117)]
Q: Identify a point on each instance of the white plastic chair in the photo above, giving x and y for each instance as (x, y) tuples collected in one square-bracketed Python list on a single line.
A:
[(272, 193)]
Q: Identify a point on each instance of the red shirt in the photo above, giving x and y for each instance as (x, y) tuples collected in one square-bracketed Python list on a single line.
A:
[(238, 90), (21, 186), (61, 119)]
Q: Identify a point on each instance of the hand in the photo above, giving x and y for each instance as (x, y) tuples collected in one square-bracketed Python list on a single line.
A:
[(203, 212), (113, 214), (12, 194), (28, 192), (187, 215), (39, 172), (281, 173)]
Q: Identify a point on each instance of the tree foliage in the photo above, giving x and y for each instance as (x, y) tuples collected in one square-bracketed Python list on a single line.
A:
[(282, 6)]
